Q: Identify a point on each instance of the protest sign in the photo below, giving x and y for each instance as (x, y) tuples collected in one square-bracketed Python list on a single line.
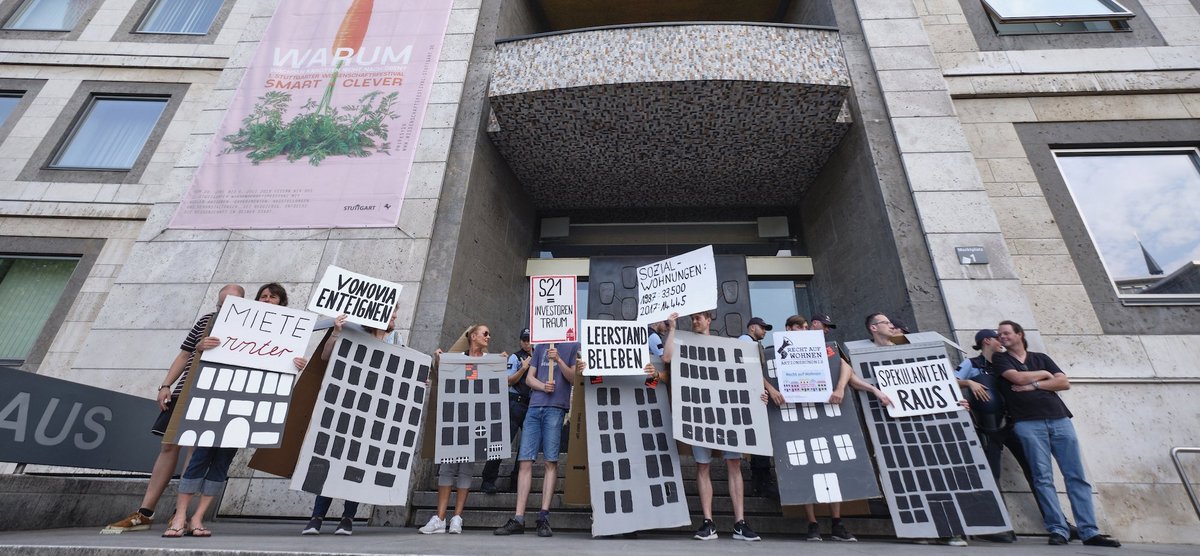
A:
[(919, 388), (552, 309), (259, 335), (472, 419), (685, 284), (364, 300), (716, 385), (613, 347), (801, 363)]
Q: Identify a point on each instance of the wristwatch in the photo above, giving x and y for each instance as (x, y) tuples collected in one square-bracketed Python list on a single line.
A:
[(1035, 386)]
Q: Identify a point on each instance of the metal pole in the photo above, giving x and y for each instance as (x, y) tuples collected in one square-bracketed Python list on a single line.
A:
[(1187, 485)]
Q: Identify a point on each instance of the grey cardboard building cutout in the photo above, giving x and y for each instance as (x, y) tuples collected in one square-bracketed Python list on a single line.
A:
[(472, 404), (633, 463), (362, 438), (716, 386), (49, 421), (932, 468), (821, 454)]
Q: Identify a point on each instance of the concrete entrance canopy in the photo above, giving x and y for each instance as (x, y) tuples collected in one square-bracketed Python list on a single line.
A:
[(726, 118)]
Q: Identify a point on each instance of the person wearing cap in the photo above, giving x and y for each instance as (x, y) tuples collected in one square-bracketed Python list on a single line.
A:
[(518, 406), (846, 376), (761, 482)]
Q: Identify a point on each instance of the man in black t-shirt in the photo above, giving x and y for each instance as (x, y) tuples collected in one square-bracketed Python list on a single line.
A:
[(1042, 422)]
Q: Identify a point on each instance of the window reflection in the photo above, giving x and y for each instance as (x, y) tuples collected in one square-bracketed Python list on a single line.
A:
[(48, 15), (1142, 209), (773, 301), (8, 102), (111, 134), (184, 17)]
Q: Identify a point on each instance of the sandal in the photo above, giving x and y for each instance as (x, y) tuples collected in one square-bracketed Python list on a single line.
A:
[(200, 532), (180, 533)]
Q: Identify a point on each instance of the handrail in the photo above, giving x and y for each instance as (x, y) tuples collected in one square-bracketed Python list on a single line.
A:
[(1187, 485), (664, 24)]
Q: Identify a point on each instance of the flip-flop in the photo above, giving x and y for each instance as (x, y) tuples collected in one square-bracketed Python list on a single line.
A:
[(200, 532), (183, 532)]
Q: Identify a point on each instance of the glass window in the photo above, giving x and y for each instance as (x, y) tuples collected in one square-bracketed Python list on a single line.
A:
[(1026, 17), (29, 290), (111, 134), (1142, 210), (182, 17), (48, 15), (773, 301), (8, 101)]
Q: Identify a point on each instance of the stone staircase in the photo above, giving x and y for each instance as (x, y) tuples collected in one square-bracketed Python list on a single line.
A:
[(484, 511)]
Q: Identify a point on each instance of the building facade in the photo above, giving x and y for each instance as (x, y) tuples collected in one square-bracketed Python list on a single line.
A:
[(847, 149)]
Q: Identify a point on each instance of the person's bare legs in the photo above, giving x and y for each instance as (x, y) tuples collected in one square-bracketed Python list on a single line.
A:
[(548, 484), (160, 474), (179, 520), (524, 485), (835, 510), (443, 500), (197, 521), (736, 489), (810, 512), (704, 485), (460, 502)]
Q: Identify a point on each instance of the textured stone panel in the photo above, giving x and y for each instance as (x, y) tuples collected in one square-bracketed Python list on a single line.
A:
[(649, 118), (1124, 356)]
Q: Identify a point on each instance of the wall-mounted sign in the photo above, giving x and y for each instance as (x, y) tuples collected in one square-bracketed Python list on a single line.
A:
[(971, 255)]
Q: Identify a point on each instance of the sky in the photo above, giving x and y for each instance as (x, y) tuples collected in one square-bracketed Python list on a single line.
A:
[(1155, 196)]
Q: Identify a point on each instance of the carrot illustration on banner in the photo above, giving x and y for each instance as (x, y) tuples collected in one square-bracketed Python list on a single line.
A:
[(321, 130), (349, 40)]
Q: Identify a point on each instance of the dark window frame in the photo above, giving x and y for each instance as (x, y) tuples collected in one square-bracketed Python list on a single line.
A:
[(1039, 141), (1142, 32), (28, 89), (8, 8), (128, 30), (86, 250), (38, 168)]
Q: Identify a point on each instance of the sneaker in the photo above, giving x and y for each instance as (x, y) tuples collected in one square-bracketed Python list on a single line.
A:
[(543, 528), (1056, 540), (706, 532), (743, 532), (436, 526), (841, 534), (135, 522), (313, 527), (1102, 540), (456, 525), (345, 527), (953, 541), (814, 533), (513, 527)]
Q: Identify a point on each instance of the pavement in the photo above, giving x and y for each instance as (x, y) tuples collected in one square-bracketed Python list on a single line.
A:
[(282, 537)]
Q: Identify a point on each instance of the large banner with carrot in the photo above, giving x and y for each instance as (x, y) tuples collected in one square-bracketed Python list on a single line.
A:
[(323, 129)]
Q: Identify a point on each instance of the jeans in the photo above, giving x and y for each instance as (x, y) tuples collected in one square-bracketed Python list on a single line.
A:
[(516, 418), (321, 507), (207, 471), (1044, 439), (543, 431)]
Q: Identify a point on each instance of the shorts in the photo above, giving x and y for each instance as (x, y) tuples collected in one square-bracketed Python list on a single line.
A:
[(542, 432), (704, 455), (457, 475), (164, 418)]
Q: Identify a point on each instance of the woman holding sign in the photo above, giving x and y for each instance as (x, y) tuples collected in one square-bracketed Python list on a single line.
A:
[(473, 343), (208, 469)]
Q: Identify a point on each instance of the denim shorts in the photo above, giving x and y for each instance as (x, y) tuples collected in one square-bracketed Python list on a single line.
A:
[(704, 455), (542, 432)]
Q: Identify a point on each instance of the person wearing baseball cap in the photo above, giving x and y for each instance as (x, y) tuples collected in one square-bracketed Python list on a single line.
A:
[(761, 482), (518, 406), (822, 318)]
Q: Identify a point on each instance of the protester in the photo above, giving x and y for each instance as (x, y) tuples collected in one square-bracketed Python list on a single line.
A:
[(655, 341), (761, 481), (473, 343), (518, 406), (701, 323), (197, 340), (208, 468), (1043, 424), (322, 503), (846, 376), (554, 369)]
